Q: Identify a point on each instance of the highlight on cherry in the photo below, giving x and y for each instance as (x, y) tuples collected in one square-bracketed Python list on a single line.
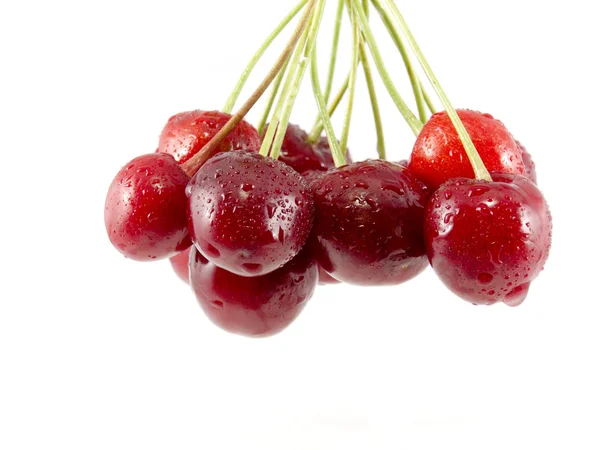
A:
[(255, 216)]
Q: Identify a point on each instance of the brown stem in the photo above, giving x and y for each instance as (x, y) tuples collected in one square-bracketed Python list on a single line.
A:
[(193, 164)]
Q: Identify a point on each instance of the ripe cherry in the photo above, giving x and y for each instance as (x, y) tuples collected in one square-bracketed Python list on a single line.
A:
[(145, 210), (253, 306), (438, 154), (303, 156), (369, 223), (487, 240), (187, 132), (249, 214), (180, 264)]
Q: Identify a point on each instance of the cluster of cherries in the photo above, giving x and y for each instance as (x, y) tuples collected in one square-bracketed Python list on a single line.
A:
[(254, 236)]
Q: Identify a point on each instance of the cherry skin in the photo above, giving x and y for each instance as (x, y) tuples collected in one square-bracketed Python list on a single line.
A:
[(249, 214), (186, 133), (180, 265), (488, 240), (145, 210), (438, 154), (303, 156), (369, 223), (253, 306)]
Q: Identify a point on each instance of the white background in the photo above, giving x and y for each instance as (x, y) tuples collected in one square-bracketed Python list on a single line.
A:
[(99, 352)]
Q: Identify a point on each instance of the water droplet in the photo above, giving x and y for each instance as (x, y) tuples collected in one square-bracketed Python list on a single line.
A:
[(217, 304), (485, 278)]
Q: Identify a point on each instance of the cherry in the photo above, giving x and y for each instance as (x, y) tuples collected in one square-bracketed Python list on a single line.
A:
[(369, 223), (249, 214), (487, 240), (187, 132), (439, 155), (253, 306), (180, 264), (145, 210), (528, 162), (303, 156)]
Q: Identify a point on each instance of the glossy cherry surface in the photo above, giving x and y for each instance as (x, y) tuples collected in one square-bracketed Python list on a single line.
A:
[(438, 154), (303, 156), (253, 306), (488, 240), (180, 266), (145, 210), (187, 132), (369, 223), (249, 214)]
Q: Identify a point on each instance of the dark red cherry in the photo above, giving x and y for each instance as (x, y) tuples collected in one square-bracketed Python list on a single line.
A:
[(488, 240), (369, 223), (438, 154), (145, 210), (302, 156), (180, 264), (249, 214), (528, 162), (187, 132), (253, 306)]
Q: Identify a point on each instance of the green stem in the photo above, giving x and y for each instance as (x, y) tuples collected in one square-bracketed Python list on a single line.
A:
[(230, 103), (191, 166), (374, 102), (352, 81), (308, 50), (276, 85), (408, 115), (317, 129), (481, 173), (339, 157), (334, 49), (428, 100), (289, 79), (414, 79)]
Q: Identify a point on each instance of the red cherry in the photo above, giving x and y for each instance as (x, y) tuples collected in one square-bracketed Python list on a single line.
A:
[(145, 211), (253, 306), (249, 214), (369, 223), (187, 132), (180, 264), (488, 240), (438, 154), (302, 156)]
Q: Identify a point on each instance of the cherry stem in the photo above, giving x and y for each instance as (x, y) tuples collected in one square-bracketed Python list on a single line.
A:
[(308, 50), (334, 49), (408, 115), (416, 84), (374, 102), (338, 155), (481, 173), (276, 85), (193, 164), (428, 100), (352, 81), (287, 86), (317, 129), (230, 103)]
